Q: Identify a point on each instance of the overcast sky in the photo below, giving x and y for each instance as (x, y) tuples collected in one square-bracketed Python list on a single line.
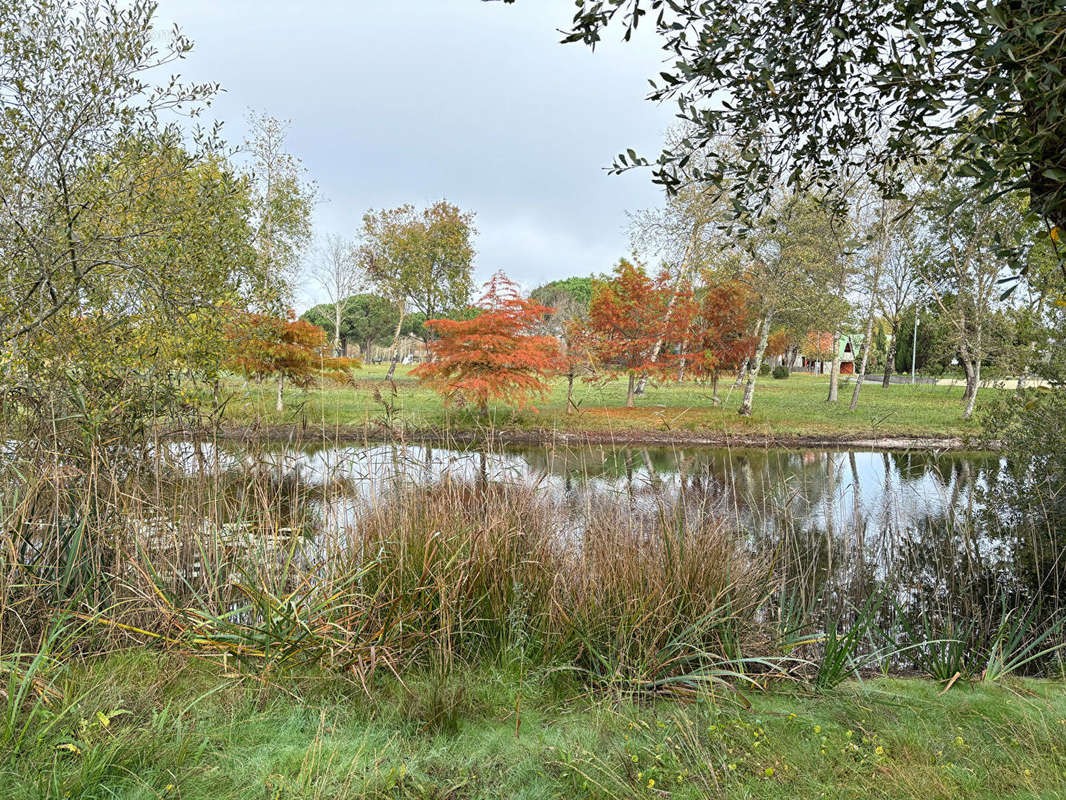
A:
[(411, 101)]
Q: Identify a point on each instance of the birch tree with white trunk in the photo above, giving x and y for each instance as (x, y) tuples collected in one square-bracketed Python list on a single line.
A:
[(337, 273)]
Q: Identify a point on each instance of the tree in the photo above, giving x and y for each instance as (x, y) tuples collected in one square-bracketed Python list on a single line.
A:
[(77, 98), (497, 354), (879, 238), (336, 272), (806, 87), (367, 319), (900, 285), (628, 315), (683, 235), (282, 202), (573, 292), (292, 349), (569, 300), (967, 269), (418, 259), (106, 369), (790, 265), (720, 336), (930, 342), (577, 356)]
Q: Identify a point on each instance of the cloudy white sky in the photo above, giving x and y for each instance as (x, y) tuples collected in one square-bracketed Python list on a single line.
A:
[(395, 101)]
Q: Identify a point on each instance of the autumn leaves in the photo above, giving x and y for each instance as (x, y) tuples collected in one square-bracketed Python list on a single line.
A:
[(635, 326)]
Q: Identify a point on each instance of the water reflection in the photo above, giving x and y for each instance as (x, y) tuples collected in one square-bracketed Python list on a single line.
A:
[(863, 495), (840, 527)]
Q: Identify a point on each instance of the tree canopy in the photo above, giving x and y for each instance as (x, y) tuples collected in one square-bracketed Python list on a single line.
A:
[(808, 90), (495, 354)]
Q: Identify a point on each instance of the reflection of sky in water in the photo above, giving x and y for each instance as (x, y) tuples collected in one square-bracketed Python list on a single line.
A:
[(828, 520), (862, 493)]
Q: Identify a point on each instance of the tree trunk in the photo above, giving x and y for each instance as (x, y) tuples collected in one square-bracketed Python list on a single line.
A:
[(715, 400), (644, 375), (396, 342), (337, 330), (967, 366), (890, 358), (632, 386), (570, 407), (865, 356), (834, 373), (279, 404), (742, 373), (973, 383), (753, 369)]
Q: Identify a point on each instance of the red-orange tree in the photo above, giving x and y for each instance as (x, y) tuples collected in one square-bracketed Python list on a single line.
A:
[(630, 314), (721, 337), (497, 354), (292, 349)]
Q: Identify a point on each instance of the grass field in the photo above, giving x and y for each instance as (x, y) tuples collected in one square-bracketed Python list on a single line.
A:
[(142, 724), (792, 407)]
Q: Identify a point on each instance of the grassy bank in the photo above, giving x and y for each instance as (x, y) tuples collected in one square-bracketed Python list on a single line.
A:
[(783, 408), (140, 724)]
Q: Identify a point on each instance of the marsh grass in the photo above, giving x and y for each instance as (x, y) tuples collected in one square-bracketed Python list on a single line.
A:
[(236, 564), (468, 612)]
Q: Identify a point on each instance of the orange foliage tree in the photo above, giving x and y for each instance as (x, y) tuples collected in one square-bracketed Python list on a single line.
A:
[(721, 337), (262, 345), (778, 343), (577, 358), (818, 346), (497, 354), (630, 314)]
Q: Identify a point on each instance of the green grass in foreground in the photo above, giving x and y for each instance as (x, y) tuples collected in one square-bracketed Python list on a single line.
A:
[(189, 730), (795, 406)]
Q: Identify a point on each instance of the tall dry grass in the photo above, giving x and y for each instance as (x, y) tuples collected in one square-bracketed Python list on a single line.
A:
[(238, 563)]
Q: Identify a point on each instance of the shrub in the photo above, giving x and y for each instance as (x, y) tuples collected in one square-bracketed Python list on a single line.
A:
[(764, 370), (781, 372)]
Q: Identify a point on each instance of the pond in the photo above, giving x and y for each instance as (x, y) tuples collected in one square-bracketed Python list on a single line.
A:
[(869, 493), (842, 524)]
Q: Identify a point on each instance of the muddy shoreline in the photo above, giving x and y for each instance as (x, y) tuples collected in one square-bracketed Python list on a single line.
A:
[(294, 432)]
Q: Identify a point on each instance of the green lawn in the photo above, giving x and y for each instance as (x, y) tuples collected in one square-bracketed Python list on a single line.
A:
[(175, 727), (792, 407)]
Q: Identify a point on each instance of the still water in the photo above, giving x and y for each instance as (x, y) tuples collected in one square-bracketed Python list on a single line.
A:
[(875, 494), (840, 526)]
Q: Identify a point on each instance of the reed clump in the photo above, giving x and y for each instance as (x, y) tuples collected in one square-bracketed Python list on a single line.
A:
[(621, 596), (243, 565)]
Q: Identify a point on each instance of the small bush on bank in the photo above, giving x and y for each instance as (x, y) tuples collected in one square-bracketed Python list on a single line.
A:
[(781, 372)]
